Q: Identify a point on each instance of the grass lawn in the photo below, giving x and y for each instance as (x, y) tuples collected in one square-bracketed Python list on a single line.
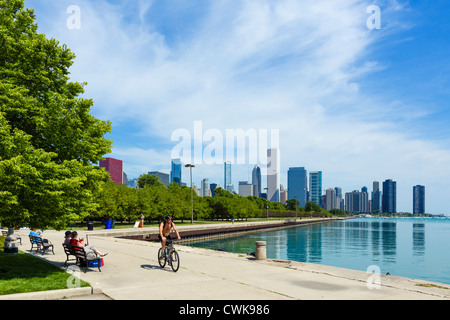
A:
[(21, 273)]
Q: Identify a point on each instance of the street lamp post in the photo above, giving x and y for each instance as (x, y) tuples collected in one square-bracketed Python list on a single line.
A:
[(190, 166)]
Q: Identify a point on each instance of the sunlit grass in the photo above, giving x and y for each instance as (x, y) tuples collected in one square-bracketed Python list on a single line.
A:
[(21, 273)]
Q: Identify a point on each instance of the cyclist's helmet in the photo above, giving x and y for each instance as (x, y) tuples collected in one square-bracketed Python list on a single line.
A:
[(168, 217)]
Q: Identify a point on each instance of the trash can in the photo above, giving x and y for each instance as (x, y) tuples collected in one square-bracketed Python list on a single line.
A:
[(90, 226), (108, 224), (113, 224)]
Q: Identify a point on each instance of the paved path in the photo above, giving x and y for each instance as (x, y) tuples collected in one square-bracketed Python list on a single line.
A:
[(131, 271)]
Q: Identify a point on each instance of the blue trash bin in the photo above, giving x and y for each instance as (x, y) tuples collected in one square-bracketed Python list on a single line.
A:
[(108, 224)]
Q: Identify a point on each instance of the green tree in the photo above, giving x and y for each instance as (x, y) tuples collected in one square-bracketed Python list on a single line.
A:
[(50, 143), (311, 206), (149, 180)]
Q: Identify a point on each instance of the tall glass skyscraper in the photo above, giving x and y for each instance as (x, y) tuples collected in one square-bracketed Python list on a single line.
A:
[(175, 173), (315, 186), (298, 185), (227, 177), (389, 197), (256, 181), (419, 200), (376, 197)]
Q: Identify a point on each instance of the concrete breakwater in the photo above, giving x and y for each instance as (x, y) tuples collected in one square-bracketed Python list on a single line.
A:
[(192, 233)]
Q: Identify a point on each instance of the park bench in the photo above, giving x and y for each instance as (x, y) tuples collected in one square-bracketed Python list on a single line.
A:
[(69, 251), (41, 244), (81, 257)]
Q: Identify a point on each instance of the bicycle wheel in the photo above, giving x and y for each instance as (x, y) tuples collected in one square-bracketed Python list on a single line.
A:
[(175, 261), (161, 258)]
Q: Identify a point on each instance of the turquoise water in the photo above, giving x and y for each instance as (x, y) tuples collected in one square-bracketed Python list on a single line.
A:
[(412, 248)]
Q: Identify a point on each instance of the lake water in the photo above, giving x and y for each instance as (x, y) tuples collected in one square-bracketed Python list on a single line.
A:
[(408, 247)]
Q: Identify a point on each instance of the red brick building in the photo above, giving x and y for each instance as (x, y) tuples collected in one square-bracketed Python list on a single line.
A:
[(115, 169)]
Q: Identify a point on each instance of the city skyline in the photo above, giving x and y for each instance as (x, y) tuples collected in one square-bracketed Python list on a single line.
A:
[(359, 104), (328, 198)]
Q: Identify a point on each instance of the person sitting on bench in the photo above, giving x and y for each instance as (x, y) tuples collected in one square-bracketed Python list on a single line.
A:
[(90, 250)]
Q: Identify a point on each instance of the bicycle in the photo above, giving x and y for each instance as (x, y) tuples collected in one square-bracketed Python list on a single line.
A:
[(169, 255)]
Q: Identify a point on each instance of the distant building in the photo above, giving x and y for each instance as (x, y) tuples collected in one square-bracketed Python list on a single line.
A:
[(115, 169), (376, 197), (175, 173), (163, 177), (389, 197), (132, 183), (213, 187), (245, 189), (315, 187), (205, 188), (256, 181), (298, 185), (227, 177), (273, 175), (283, 194), (419, 200), (330, 199)]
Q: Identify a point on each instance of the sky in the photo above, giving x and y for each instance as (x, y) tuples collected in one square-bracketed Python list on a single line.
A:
[(356, 102)]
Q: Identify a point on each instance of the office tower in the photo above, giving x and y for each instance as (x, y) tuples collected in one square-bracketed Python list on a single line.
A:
[(115, 169), (132, 183), (273, 175), (175, 173), (419, 199), (364, 206), (298, 185), (245, 189), (256, 181), (283, 194), (227, 177), (315, 187), (330, 199), (164, 178), (205, 188), (389, 197), (376, 197), (213, 187)]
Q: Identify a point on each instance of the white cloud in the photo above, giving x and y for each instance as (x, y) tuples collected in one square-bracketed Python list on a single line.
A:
[(289, 65)]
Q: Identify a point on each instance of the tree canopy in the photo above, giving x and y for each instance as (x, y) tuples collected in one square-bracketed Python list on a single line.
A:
[(50, 143)]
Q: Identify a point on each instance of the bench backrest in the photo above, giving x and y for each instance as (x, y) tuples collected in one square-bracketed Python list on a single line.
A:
[(35, 240)]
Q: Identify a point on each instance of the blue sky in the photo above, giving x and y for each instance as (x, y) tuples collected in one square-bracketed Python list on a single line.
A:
[(358, 104)]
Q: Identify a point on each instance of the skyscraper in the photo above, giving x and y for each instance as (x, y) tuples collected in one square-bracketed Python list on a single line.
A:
[(389, 197), (205, 188), (330, 201), (115, 169), (376, 197), (163, 177), (419, 199), (256, 181), (315, 187), (273, 175), (245, 189), (227, 177), (298, 185), (175, 173)]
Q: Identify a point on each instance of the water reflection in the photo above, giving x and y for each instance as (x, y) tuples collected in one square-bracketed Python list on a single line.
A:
[(354, 244), (419, 239)]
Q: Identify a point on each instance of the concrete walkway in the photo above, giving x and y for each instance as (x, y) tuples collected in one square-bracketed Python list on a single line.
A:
[(131, 272)]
